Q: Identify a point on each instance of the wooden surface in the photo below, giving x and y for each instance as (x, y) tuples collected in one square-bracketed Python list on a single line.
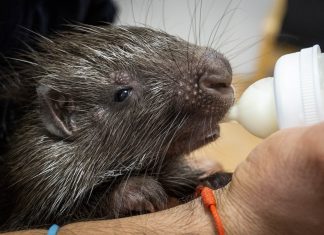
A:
[(231, 148)]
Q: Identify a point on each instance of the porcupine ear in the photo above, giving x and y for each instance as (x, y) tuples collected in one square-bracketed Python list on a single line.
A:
[(57, 112)]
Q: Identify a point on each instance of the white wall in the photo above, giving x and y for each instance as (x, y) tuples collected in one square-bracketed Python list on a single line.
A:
[(239, 24)]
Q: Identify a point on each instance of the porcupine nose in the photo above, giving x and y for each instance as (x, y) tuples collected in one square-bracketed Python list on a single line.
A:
[(216, 77)]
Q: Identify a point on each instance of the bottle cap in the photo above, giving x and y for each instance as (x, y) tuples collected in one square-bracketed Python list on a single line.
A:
[(298, 88)]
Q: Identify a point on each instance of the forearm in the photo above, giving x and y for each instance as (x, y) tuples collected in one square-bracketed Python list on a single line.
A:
[(190, 218)]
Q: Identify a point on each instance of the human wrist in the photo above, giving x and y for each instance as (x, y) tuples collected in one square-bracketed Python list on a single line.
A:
[(191, 218), (237, 217)]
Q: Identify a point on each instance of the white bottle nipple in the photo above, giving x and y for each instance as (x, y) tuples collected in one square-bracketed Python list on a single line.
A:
[(256, 109)]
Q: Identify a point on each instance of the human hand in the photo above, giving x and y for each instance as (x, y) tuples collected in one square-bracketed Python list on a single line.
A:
[(279, 189)]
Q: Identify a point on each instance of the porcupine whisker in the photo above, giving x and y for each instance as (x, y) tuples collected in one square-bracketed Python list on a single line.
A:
[(105, 143)]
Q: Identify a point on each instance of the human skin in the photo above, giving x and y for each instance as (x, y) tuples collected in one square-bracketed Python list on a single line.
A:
[(279, 189), (282, 183)]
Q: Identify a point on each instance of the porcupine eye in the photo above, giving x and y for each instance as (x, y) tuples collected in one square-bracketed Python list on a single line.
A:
[(122, 94)]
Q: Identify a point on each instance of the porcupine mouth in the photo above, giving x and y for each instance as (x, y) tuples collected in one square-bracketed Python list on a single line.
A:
[(200, 129), (190, 141)]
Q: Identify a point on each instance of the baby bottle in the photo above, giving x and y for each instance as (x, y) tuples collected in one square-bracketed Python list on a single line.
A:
[(293, 97)]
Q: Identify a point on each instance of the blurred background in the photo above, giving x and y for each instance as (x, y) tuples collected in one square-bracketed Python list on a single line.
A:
[(234, 27)]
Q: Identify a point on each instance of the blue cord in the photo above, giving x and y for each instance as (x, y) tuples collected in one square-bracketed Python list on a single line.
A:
[(53, 229)]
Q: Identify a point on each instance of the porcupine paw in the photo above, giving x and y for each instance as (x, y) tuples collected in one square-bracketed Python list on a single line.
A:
[(213, 172), (138, 195), (216, 180)]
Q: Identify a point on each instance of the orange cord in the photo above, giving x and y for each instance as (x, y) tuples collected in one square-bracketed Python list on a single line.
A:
[(209, 201)]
